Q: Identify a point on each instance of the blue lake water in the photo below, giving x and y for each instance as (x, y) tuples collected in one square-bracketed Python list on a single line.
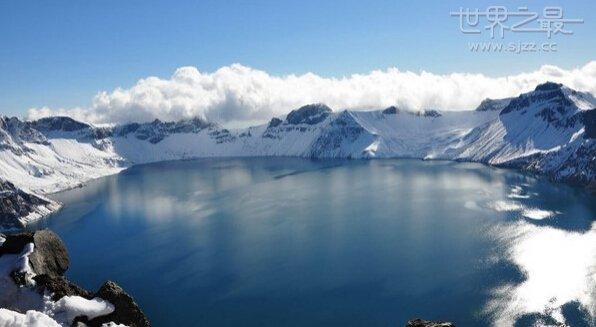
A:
[(295, 242)]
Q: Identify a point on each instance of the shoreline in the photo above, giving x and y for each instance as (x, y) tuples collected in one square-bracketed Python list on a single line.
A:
[(587, 188)]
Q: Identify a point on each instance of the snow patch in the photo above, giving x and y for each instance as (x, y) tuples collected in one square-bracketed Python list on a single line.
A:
[(517, 192), (505, 206), (537, 214), (31, 318), (471, 205), (39, 310), (69, 307), (19, 263)]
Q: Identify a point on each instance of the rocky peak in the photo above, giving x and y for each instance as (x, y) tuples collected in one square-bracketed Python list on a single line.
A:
[(310, 114), (545, 95), (58, 123), (551, 102), (20, 131), (428, 113), (493, 104), (193, 125), (393, 110), (548, 86), (274, 122), (157, 130)]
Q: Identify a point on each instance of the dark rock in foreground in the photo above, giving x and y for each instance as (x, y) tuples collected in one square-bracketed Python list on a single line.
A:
[(425, 323), (126, 311), (14, 244), (60, 287), (49, 261), (49, 256)]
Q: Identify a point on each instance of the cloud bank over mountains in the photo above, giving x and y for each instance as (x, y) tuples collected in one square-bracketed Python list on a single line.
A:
[(237, 93)]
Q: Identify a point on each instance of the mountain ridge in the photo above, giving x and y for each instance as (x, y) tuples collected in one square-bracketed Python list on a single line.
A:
[(549, 131)]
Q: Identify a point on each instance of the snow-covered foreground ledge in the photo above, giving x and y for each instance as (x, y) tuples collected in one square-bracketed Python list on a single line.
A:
[(34, 291)]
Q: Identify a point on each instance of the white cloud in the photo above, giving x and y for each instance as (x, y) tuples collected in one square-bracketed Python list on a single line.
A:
[(238, 93)]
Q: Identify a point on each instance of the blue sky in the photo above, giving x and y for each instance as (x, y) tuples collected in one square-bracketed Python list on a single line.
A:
[(61, 53)]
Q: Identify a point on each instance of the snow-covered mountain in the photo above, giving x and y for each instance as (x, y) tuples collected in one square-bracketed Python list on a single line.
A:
[(550, 131)]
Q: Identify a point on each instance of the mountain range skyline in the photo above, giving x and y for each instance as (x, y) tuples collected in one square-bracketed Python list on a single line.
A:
[(548, 131)]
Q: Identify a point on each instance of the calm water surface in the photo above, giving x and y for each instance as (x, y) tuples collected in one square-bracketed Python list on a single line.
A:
[(292, 242)]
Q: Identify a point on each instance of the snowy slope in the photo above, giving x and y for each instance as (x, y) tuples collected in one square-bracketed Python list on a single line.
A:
[(550, 130), (543, 131)]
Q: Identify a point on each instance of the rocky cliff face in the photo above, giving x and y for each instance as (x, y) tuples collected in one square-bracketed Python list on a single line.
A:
[(310, 114), (58, 124), (33, 265), (589, 120), (546, 131), (18, 207), (157, 130), (493, 104)]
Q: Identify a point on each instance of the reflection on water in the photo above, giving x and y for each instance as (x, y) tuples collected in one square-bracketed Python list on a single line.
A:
[(292, 242), (559, 267), (505, 206), (537, 214), (135, 202)]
